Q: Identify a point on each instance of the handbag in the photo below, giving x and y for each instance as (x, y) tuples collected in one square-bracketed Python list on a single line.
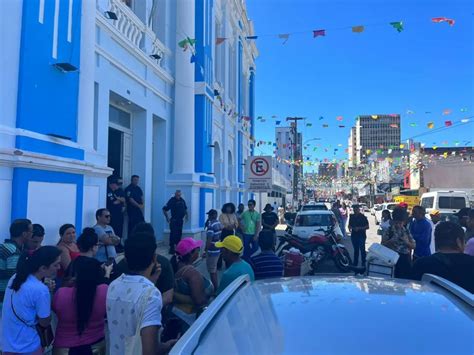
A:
[(133, 344), (45, 334)]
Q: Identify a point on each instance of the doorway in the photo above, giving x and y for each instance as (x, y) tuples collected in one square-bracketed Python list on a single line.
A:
[(119, 156), (114, 158)]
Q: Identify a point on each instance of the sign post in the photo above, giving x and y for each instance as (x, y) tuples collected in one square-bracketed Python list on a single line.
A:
[(259, 176)]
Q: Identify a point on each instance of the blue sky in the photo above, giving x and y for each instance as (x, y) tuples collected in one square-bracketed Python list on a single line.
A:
[(428, 67)]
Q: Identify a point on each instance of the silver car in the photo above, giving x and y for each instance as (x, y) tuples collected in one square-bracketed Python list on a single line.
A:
[(335, 315)]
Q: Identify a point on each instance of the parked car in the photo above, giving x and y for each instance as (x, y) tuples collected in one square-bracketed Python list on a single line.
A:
[(307, 222), (384, 206), (363, 207), (376, 207), (316, 206), (446, 202), (305, 315)]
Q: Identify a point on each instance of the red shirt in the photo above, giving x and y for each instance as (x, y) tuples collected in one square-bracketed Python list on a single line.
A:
[(65, 308)]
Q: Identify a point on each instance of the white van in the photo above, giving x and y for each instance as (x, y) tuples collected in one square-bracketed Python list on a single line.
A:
[(446, 202)]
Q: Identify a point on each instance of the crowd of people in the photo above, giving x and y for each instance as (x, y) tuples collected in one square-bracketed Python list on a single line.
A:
[(424, 245), (97, 291), (129, 298)]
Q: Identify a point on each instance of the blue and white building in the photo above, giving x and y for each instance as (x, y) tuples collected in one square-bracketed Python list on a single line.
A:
[(95, 87)]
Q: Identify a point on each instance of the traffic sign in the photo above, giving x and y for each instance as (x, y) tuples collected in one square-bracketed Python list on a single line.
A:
[(259, 174)]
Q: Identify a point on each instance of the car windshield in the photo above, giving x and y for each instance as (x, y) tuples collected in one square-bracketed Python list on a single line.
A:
[(313, 220), (378, 208)]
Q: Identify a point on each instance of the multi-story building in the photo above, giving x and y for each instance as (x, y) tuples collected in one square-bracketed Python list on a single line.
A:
[(352, 148), (327, 170), (162, 89), (374, 132)]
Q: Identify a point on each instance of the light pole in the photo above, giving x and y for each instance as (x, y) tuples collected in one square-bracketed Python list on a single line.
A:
[(295, 155)]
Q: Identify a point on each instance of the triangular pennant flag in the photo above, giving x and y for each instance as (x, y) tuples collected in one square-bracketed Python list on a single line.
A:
[(394, 125), (278, 123), (465, 120), (448, 123), (309, 124), (410, 112), (251, 37), (185, 43), (374, 117), (325, 125), (341, 126), (220, 40), (321, 118), (430, 125), (464, 109), (284, 36), (447, 112), (319, 33), (397, 25), (412, 124), (339, 118), (259, 117), (450, 21), (358, 29)]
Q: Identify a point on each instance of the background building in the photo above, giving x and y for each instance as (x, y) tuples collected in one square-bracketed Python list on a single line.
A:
[(94, 88), (374, 132), (327, 170), (352, 148)]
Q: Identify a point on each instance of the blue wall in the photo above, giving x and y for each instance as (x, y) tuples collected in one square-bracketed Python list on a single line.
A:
[(21, 178), (47, 97), (203, 73), (252, 106)]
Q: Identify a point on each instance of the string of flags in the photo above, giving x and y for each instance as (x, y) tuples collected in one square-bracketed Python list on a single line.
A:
[(322, 32)]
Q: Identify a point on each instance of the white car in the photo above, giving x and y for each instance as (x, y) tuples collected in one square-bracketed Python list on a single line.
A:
[(307, 222), (377, 207), (384, 206)]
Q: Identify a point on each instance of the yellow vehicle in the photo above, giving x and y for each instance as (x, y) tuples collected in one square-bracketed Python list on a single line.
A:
[(411, 201)]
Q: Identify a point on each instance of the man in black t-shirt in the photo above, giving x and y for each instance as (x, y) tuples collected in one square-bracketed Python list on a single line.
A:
[(269, 218), (134, 195), (449, 261), (115, 204), (358, 224), (179, 211)]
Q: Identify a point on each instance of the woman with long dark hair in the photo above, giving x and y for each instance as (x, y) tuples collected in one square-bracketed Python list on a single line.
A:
[(228, 220), (68, 246), (27, 301), (81, 311)]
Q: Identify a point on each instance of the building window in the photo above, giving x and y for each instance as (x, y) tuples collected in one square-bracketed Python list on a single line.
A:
[(119, 117), (129, 3)]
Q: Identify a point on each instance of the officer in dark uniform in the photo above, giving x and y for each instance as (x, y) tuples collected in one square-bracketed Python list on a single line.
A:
[(115, 205), (134, 195), (179, 211)]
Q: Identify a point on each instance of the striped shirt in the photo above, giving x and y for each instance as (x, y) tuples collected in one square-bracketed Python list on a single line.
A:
[(213, 233), (9, 255), (267, 265)]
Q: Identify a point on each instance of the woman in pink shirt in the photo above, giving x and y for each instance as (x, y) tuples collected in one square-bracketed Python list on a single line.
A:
[(81, 311)]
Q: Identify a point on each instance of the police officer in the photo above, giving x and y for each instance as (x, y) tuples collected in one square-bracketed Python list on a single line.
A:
[(115, 205), (134, 195), (179, 211)]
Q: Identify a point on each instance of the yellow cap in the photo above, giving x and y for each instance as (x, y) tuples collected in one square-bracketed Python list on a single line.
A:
[(232, 243), (434, 212)]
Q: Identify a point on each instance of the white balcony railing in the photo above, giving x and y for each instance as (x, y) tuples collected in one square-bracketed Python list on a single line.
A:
[(136, 32)]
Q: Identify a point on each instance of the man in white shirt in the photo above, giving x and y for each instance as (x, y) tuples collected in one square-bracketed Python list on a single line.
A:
[(435, 219), (134, 303)]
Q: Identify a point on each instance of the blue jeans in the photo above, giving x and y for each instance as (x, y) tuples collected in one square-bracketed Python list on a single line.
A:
[(250, 246)]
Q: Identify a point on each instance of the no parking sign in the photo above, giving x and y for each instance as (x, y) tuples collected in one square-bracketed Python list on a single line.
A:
[(259, 174)]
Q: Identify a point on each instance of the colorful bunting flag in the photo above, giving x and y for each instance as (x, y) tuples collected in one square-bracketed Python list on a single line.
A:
[(185, 43), (325, 125), (278, 123), (465, 120), (413, 124), (251, 37), (447, 112), (448, 123), (450, 21), (464, 109), (309, 124), (374, 117), (358, 29), (394, 125), (284, 36), (430, 125), (220, 40), (321, 118), (410, 112), (259, 117), (274, 116), (402, 146), (397, 25), (339, 118), (342, 126), (319, 33)]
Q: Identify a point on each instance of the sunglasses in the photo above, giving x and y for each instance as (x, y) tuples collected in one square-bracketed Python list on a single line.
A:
[(107, 216)]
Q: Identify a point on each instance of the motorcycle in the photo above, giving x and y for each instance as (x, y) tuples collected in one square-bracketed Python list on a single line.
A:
[(323, 244)]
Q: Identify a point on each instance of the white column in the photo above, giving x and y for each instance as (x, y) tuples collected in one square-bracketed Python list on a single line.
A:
[(183, 129), (85, 113), (142, 155)]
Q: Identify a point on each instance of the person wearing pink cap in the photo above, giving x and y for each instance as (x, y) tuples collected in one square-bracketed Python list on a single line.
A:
[(192, 289)]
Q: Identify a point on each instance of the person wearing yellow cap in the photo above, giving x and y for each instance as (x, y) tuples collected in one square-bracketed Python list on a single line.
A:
[(435, 216), (231, 248)]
